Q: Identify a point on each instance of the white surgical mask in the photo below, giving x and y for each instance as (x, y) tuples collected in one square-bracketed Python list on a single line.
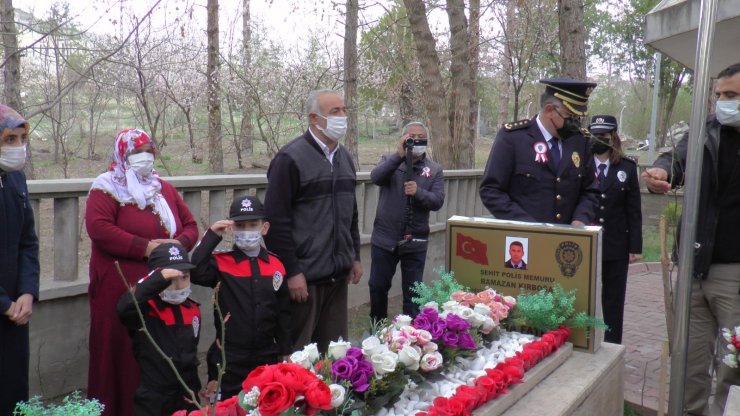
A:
[(336, 127), (418, 150), (728, 113), (175, 296), (12, 158), (247, 240), (141, 163)]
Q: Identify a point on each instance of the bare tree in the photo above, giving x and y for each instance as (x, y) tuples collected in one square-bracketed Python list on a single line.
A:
[(246, 132), (572, 33), (12, 59), (350, 78)]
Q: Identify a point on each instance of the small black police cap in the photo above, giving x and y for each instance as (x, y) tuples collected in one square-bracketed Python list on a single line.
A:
[(602, 124), (247, 208), (169, 256)]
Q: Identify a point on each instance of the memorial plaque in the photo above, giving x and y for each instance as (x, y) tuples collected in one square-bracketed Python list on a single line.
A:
[(510, 256)]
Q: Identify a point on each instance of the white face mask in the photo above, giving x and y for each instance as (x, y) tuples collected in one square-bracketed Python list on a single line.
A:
[(141, 163), (247, 240), (12, 158), (728, 113), (418, 150), (336, 127), (175, 296)]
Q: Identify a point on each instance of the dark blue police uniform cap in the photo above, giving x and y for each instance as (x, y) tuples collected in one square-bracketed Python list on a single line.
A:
[(602, 124), (572, 92)]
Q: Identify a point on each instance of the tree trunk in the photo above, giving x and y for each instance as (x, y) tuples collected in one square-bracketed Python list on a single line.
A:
[(506, 85), (473, 60), (432, 83), (350, 78), (215, 150), (460, 85), (572, 33), (246, 130)]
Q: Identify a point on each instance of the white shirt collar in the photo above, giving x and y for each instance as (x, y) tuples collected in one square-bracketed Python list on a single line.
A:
[(597, 162), (546, 134), (327, 152)]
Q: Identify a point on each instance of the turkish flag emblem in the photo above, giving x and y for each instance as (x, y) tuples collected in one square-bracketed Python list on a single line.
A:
[(471, 249)]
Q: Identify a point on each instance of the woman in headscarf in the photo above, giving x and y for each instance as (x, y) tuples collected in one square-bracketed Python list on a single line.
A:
[(130, 211), (19, 261)]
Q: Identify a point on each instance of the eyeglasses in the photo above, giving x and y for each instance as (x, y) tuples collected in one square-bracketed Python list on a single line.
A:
[(573, 117)]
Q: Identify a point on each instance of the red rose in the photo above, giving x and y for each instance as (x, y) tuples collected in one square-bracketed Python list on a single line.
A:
[(318, 395), (514, 369), (274, 399), (500, 378), (472, 396), (293, 376), (258, 377), (488, 385), (447, 407), (459, 406), (549, 339), (180, 413)]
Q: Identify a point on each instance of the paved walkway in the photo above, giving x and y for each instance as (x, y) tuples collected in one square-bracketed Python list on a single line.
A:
[(643, 334)]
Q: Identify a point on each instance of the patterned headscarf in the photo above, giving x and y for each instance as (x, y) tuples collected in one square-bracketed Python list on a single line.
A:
[(127, 186), (10, 119)]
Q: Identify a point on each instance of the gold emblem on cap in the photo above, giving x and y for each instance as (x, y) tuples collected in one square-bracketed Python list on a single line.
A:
[(589, 90), (576, 159)]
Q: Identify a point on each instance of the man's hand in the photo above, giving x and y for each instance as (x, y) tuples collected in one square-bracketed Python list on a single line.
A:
[(23, 309), (656, 180), (409, 188), (298, 288), (578, 223), (355, 274), (11, 310), (402, 146), (150, 247), (635, 257), (219, 227)]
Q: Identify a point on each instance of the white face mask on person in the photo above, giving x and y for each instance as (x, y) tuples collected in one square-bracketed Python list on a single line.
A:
[(141, 163), (12, 158), (418, 150), (247, 240), (336, 127), (728, 113), (175, 296)]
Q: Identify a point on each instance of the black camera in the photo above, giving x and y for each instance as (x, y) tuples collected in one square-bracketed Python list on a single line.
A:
[(410, 143)]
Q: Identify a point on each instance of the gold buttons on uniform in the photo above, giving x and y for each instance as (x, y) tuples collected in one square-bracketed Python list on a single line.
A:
[(557, 216), (557, 180), (601, 220), (558, 197), (602, 207)]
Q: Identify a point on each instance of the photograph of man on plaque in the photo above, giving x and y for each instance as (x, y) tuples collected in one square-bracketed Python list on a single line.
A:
[(517, 247)]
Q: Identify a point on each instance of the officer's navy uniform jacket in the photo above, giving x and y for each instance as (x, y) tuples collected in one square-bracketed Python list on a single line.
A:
[(254, 293), (176, 329), (516, 186)]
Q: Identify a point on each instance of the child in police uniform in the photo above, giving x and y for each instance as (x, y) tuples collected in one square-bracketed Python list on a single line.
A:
[(251, 291), (173, 320)]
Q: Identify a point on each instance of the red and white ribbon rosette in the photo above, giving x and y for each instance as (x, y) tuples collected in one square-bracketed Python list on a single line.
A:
[(426, 172), (541, 149)]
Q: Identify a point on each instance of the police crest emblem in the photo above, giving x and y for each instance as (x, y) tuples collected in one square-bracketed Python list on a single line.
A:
[(277, 280), (569, 256), (576, 159), (196, 326)]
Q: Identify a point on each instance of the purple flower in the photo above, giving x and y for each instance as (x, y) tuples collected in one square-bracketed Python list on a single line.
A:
[(451, 339), (359, 381), (456, 323), (365, 366), (344, 368), (354, 352), (422, 322), (438, 329), (430, 313), (466, 341)]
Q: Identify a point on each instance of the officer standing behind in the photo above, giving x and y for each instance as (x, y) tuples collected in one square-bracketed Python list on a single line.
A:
[(394, 237), (620, 214), (537, 169)]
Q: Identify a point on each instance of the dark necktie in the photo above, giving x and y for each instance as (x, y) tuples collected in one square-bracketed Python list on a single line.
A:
[(601, 177), (555, 151)]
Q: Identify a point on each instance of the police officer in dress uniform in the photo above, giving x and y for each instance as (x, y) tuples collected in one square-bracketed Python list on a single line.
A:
[(538, 169), (620, 214)]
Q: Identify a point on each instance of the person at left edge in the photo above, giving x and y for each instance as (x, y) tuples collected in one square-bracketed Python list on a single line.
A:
[(173, 321), (620, 215), (537, 169), (19, 261), (130, 210)]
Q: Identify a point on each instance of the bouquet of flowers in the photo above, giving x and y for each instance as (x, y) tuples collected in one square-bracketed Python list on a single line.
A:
[(732, 336)]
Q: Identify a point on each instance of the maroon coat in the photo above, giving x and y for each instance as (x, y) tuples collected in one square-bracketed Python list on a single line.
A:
[(121, 232)]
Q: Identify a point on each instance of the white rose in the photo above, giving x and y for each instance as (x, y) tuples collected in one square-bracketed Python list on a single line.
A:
[(423, 337), (409, 332), (488, 325), (384, 363), (431, 361), (371, 346), (431, 347), (337, 394), (432, 304), (509, 301), (449, 305), (464, 312), (301, 358), (477, 320), (402, 320), (338, 349), (313, 352), (409, 357), (482, 309)]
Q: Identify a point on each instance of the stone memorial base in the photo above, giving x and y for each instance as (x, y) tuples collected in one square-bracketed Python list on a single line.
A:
[(567, 383)]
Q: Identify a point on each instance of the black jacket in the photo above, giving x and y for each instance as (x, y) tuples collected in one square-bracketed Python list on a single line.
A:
[(620, 211), (390, 218), (675, 164), (175, 328), (515, 186), (253, 291)]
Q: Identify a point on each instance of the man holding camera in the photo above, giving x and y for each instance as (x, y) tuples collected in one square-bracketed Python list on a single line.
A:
[(411, 184)]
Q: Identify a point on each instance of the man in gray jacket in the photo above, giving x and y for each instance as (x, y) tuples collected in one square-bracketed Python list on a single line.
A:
[(401, 224)]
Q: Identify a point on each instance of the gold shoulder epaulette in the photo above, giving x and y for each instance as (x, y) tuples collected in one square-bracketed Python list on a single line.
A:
[(517, 125)]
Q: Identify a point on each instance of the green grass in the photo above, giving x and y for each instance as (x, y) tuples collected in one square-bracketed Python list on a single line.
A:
[(651, 244)]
